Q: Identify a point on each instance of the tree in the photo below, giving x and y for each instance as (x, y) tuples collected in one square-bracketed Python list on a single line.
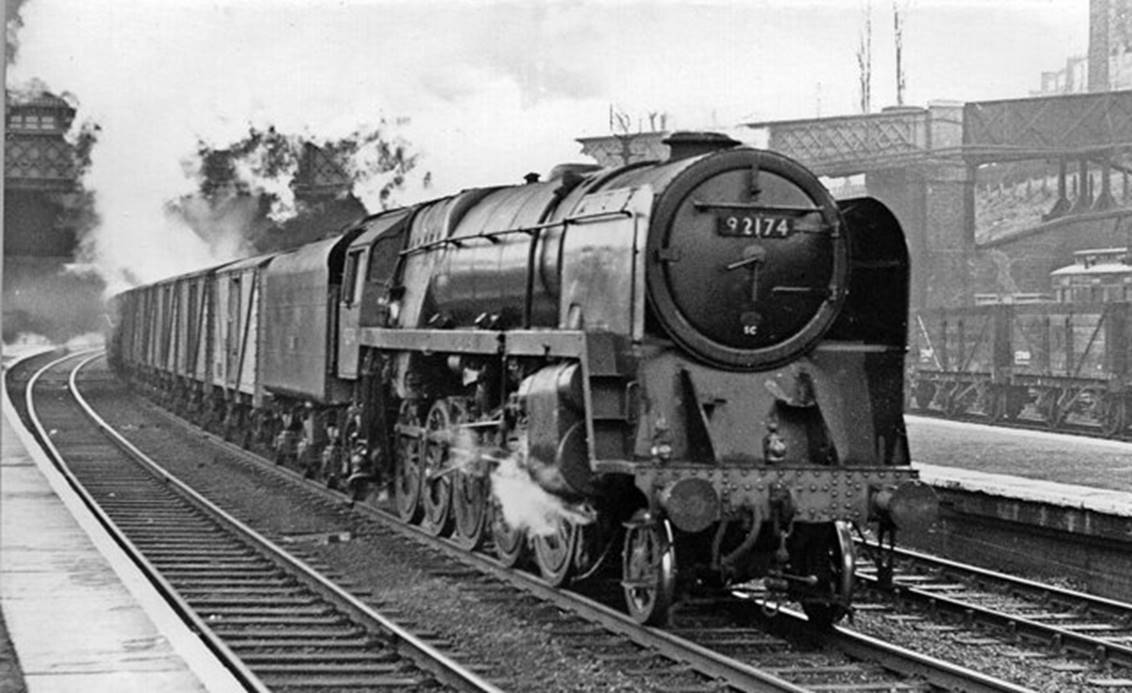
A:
[(275, 190)]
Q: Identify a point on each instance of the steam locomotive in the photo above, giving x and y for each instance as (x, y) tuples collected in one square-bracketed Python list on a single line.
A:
[(699, 360)]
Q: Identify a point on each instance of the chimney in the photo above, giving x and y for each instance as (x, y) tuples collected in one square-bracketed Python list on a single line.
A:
[(686, 144)]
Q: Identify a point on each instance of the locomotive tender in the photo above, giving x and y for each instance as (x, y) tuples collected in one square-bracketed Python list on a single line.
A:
[(702, 358)]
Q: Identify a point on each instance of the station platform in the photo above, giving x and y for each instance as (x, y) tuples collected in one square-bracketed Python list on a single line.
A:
[(1048, 504), (80, 615)]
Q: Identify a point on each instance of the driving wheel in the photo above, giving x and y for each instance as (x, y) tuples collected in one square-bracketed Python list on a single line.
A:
[(510, 543), (471, 494), (436, 490), (554, 552)]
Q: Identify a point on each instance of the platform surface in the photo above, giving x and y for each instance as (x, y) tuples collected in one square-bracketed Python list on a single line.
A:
[(81, 615), (1038, 466)]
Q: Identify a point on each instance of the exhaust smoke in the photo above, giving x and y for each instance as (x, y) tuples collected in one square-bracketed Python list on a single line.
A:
[(525, 504)]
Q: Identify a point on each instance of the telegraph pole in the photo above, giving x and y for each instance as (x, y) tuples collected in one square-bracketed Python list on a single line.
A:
[(865, 59), (3, 154), (898, 34)]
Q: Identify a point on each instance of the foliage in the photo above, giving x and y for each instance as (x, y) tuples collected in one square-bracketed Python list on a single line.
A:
[(289, 189)]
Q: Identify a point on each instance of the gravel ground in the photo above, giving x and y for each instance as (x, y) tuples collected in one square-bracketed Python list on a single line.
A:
[(1034, 454), (534, 658), (1029, 668), (502, 629), (486, 630)]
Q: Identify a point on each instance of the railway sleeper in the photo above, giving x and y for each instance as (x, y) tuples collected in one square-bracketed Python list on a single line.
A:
[(241, 582), (395, 683), (191, 593), (306, 632), (283, 620), (309, 644), (254, 658), (232, 603)]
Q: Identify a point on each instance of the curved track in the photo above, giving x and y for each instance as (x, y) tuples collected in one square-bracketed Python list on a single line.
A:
[(277, 622), (734, 653)]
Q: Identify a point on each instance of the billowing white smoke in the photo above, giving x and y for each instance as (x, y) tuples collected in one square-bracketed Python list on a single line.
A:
[(141, 238), (524, 503), (90, 340), (278, 187), (160, 77)]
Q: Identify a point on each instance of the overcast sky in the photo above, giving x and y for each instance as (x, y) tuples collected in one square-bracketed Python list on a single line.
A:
[(495, 89)]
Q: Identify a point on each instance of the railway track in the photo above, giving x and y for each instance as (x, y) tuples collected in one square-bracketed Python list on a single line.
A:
[(727, 653), (273, 619), (1048, 619)]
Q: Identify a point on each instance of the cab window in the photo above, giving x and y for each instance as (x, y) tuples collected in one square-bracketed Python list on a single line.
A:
[(352, 278)]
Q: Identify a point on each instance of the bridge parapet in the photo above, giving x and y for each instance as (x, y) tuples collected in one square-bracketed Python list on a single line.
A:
[(848, 145), (1047, 126)]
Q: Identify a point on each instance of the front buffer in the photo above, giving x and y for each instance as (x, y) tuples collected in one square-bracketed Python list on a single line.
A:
[(787, 527)]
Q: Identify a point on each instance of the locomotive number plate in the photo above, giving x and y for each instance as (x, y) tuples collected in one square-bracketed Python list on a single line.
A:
[(753, 225)]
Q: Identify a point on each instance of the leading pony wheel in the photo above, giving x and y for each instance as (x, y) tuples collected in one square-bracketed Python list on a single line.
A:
[(649, 570)]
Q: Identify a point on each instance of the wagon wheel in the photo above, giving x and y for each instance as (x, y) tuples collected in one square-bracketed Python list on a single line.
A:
[(1051, 410), (510, 542), (834, 563), (997, 410), (948, 401), (554, 552), (408, 469), (648, 574), (471, 495), (984, 400), (1115, 415), (229, 424), (264, 424), (1013, 402), (247, 430), (960, 401), (436, 489), (923, 392)]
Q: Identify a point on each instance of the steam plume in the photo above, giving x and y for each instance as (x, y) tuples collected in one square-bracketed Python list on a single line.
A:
[(525, 504), (15, 23)]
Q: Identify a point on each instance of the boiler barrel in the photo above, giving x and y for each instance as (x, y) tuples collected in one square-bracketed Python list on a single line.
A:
[(484, 271)]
